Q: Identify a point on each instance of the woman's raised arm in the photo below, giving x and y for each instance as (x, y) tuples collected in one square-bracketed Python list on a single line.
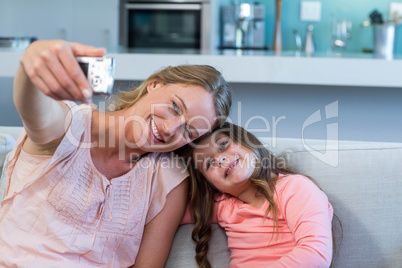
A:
[(48, 73)]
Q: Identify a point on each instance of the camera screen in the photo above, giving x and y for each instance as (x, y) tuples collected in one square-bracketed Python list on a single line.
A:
[(84, 66)]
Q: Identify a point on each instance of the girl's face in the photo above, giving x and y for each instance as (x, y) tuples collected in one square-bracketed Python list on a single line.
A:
[(171, 116), (225, 164)]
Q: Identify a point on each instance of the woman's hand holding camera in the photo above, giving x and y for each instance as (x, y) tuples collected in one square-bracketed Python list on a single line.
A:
[(51, 66)]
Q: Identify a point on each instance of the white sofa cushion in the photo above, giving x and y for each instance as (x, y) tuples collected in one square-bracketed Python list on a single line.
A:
[(6, 145), (3, 175), (363, 181), (182, 253)]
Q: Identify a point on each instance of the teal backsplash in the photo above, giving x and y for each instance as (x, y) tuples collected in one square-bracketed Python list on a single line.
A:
[(356, 11)]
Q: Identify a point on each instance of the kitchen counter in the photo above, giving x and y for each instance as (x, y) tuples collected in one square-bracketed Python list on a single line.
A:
[(253, 66)]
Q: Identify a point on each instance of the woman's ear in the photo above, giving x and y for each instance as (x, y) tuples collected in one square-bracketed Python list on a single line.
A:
[(153, 85)]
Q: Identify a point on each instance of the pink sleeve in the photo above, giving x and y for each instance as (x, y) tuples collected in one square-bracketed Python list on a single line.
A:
[(164, 173), (309, 216)]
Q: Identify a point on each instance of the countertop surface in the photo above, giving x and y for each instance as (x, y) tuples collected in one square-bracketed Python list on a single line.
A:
[(252, 66)]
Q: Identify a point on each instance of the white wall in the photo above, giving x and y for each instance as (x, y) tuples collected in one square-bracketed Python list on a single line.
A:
[(272, 110), (351, 113)]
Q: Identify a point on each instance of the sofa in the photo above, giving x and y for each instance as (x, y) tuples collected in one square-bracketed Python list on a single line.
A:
[(363, 181)]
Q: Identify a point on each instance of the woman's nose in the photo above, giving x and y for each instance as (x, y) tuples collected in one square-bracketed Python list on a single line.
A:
[(172, 125)]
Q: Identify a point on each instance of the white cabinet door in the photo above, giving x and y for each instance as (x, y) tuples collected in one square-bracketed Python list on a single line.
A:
[(92, 22), (95, 22), (44, 19)]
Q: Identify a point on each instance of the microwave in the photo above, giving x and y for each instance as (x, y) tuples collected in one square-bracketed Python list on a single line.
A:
[(165, 24)]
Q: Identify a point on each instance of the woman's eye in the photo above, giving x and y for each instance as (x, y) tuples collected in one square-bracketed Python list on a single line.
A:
[(176, 108), (188, 132)]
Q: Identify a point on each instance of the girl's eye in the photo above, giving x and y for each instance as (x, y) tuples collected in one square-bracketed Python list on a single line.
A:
[(223, 145), (176, 108), (210, 162)]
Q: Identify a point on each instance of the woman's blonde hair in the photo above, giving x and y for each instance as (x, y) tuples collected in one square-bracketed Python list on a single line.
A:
[(200, 75)]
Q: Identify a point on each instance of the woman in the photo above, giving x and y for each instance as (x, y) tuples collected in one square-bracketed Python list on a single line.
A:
[(82, 190), (272, 216)]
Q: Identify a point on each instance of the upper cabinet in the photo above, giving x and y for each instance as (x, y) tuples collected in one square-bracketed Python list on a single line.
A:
[(92, 22), (96, 22)]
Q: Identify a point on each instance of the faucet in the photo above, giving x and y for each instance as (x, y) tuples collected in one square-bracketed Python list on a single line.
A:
[(298, 40)]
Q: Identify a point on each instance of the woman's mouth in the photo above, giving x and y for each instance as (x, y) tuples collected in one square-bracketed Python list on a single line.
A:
[(155, 131), (230, 169)]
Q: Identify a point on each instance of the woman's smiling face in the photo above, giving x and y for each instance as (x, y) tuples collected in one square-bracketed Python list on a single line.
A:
[(171, 116), (225, 164)]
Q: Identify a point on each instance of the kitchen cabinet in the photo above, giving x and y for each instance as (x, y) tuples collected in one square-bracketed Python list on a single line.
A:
[(30, 18), (93, 22)]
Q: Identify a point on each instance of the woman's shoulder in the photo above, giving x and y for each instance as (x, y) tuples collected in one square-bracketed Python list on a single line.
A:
[(164, 167), (166, 161), (163, 173)]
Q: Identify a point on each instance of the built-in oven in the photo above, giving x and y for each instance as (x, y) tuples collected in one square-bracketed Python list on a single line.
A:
[(164, 24)]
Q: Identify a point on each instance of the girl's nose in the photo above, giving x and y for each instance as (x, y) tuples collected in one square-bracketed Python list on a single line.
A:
[(222, 160)]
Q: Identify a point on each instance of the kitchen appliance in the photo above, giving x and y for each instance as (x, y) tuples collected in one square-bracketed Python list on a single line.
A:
[(384, 39), (164, 24), (384, 35), (243, 26)]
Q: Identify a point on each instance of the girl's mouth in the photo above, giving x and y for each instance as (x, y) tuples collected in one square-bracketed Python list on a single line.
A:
[(155, 131), (230, 169)]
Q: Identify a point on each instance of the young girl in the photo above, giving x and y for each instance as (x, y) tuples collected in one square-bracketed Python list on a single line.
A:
[(272, 216)]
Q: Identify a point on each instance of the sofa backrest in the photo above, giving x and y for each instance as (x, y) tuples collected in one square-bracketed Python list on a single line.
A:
[(363, 181)]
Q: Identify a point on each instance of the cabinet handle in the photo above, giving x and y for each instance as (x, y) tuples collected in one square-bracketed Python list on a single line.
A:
[(108, 39), (164, 6), (63, 34)]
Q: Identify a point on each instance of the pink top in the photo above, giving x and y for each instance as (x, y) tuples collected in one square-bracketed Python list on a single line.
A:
[(304, 238), (59, 211)]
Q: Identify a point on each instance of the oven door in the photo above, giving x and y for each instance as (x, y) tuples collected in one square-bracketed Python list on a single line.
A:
[(162, 25)]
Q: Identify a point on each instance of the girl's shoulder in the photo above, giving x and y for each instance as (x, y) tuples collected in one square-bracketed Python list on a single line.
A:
[(294, 181), (284, 178), (226, 208), (223, 201)]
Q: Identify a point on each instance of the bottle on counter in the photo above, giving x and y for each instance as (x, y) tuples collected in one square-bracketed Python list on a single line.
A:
[(309, 46)]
